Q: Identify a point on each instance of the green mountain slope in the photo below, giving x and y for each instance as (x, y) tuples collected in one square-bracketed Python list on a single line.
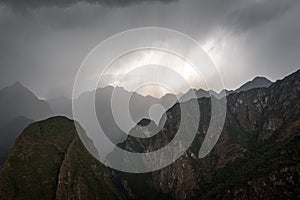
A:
[(49, 161)]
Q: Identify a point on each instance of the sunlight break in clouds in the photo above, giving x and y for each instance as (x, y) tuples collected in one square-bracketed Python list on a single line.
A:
[(126, 72)]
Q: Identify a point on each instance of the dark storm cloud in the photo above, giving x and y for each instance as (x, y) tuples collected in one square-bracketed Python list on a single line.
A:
[(65, 3), (250, 14), (44, 47)]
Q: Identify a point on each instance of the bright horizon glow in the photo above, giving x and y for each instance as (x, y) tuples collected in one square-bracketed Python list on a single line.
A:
[(126, 72)]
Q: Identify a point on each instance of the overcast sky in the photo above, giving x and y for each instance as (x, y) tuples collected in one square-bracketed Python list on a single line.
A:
[(43, 43)]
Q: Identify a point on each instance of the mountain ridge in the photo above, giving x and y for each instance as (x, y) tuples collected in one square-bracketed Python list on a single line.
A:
[(261, 121), (256, 82), (256, 157)]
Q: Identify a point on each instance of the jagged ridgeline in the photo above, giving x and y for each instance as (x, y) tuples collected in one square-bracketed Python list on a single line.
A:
[(49, 161), (256, 157)]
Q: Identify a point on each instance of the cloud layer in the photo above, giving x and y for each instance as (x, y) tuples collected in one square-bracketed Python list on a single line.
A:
[(43, 43)]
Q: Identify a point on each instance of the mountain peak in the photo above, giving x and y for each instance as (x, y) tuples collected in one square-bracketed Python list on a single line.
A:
[(257, 82), (261, 78), (16, 85), (22, 102)]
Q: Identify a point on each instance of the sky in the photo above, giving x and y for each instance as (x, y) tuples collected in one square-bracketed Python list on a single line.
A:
[(43, 43)]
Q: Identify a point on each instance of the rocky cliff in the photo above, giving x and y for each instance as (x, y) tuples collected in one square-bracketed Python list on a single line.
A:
[(256, 157)]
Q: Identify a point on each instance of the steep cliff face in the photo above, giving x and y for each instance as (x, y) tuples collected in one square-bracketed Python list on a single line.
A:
[(256, 157), (49, 161)]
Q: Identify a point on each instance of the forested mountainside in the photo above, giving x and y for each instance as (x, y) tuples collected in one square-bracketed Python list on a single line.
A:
[(49, 161)]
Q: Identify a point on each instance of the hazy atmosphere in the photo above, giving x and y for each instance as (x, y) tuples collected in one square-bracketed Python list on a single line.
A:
[(149, 99), (43, 43)]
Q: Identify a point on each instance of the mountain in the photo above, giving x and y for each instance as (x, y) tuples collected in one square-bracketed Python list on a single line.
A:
[(8, 134), (257, 82), (138, 107), (19, 107), (16, 101), (194, 94), (49, 161), (256, 156)]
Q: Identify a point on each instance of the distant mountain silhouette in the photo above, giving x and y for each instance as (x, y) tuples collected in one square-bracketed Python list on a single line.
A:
[(16, 101), (194, 94), (138, 108), (257, 82), (19, 107), (140, 105)]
